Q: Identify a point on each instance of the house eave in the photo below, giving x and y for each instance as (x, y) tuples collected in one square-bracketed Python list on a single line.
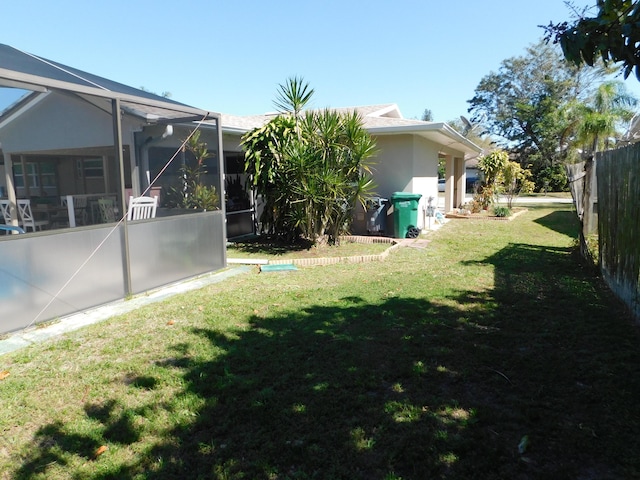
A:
[(234, 130), (440, 133)]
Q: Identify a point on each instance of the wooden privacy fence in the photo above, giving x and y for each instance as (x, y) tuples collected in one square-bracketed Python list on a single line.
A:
[(617, 199), (582, 180)]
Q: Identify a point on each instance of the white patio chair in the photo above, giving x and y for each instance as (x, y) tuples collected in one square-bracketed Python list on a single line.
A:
[(141, 208), (5, 209), (5, 206), (107, 210), (27, 219), (79, 208)]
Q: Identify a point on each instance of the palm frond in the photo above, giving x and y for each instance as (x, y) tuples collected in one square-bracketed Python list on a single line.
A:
[(293, 96)]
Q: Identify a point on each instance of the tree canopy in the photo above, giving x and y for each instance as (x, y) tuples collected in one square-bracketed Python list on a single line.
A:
[(612, 35), (520, 105), (427, 115), (547, 111)]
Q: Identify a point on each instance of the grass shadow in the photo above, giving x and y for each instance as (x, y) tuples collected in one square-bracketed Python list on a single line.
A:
[(561, 221), (270, 245)]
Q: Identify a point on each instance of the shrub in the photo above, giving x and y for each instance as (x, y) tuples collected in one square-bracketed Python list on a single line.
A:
[(501, 211), (483, 196), (475, 206), (192, 192)]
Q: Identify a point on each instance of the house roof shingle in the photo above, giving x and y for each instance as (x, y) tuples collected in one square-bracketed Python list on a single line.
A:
[(382, 119)]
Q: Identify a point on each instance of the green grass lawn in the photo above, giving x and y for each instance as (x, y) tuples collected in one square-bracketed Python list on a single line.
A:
[(491, 354)]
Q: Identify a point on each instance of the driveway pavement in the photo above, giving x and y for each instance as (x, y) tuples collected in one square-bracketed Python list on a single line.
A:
[(537, 199)]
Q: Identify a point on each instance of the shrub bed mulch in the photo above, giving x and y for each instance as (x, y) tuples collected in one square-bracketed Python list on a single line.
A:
[(486, 215)]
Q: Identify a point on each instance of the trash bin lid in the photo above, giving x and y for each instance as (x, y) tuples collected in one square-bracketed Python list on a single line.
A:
[(405, 196)]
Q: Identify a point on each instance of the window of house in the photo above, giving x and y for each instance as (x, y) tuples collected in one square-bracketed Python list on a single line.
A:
[(234, 162), (237, 190), (92, 168), (35, 178)]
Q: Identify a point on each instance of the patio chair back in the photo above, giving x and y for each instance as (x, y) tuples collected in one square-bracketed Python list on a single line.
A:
[(141, 208), (5, 206), (79, 207), (106, 206), (27, 219), (7, 227)]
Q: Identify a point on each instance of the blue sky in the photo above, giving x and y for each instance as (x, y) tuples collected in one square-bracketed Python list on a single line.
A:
[(230, 56)]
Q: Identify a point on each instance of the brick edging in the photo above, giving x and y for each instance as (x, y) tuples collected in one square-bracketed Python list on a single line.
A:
[(308, 262)]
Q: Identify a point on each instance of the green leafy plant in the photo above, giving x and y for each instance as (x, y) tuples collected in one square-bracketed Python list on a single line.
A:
[(552, 179), (193, 192), (311, 168), (611, 35), (501, 177), (514, 180), (501, 211), (492, 164)]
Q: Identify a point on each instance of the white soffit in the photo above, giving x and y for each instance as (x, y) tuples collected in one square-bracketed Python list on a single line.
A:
[(440, 133)]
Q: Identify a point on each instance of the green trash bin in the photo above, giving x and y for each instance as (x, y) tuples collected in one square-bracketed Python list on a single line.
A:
[(405, 214)]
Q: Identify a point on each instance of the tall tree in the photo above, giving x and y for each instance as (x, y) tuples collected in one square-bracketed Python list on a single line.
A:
[(602, 117), (523, 105), (612, 35), (472, 132)]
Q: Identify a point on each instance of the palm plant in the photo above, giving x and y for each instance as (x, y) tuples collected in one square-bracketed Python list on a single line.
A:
[(311, 168), (600, 119), (293, 96)]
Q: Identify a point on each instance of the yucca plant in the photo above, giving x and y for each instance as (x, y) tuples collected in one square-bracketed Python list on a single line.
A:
[(311, 167), (501, 211)]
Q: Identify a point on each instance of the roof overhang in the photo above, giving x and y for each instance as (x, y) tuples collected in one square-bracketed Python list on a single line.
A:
[(439, 133), (13, 79), (234, 130)]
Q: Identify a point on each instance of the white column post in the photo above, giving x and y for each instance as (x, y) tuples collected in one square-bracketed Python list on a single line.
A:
[(460, 179), (11, 190), (449, 187), (71, 211)]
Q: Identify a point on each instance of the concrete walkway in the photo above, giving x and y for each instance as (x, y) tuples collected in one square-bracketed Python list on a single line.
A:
[(69, 323)]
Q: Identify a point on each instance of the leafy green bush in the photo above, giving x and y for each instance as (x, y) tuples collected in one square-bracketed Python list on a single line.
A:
[(501, 211), (192, 192), (311, 168), (552, 179), (482, 198)]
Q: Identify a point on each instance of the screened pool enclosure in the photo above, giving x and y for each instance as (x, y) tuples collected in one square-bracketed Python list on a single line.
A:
[(71, 143)]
